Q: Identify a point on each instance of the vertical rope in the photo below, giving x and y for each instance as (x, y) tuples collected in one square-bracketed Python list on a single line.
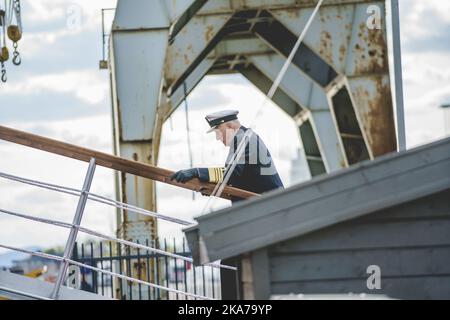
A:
[(242, 145), (188, 131)]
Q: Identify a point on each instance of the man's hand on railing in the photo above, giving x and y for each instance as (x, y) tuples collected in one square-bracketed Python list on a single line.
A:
[(184, 176), (204, 192)]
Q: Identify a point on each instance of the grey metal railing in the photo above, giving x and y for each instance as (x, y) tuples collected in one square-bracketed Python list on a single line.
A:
[(75, 227)]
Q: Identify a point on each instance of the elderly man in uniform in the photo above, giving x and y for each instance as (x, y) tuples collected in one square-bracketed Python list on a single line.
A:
[(254, 171)]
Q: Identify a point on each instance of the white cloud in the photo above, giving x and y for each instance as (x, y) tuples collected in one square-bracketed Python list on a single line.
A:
[(60, 20), (47, 10), (419, 18), (427, 83), (93, 132), (426, 88), (39, 42), (87, 85)]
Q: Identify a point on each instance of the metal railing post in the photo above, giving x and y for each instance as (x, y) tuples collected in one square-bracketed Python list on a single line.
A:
[(399, 99), (74, 231)]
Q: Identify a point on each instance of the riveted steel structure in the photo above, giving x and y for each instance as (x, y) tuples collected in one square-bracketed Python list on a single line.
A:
[(337, 88)]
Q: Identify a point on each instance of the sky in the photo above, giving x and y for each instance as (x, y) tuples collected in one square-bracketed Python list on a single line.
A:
[(59, 92)]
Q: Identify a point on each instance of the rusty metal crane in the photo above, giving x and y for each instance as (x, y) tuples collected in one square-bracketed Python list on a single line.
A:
[(338, 89)]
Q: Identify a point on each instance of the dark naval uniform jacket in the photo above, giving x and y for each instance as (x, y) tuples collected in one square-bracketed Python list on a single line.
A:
[(255, 171)]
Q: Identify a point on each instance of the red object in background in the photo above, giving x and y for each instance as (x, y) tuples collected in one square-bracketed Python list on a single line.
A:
[(51, 278)]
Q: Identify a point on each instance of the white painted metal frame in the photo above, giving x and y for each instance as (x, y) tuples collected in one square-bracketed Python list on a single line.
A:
[(400, 108), (75, 228), (315, 101), (334, 87)]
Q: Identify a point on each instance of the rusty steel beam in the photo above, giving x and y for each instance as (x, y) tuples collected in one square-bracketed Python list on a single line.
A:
[(311, 148), (186, 52), (185, 18), (218, 36), (112, 162), (227, 6), (226, 49), (263, 83), (138, 46), (305, 59), (342, 38), (310, 96)]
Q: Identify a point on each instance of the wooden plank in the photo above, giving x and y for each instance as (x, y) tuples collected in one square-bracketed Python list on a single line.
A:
[(430, 287), (282, 220), (341, 265), (434, 207), (261, 274), (113, 162), (247, 277), (347, 180), (353, 236)]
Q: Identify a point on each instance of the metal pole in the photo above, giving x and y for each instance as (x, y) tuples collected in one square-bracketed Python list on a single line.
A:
[(446, 110), (401, 133), (74, 231), (103, 34)]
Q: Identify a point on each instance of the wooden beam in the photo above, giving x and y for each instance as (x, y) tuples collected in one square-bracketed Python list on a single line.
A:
[(113, 162)]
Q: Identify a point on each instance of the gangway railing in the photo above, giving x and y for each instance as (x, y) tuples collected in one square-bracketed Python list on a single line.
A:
[(113, 162), (75, 228), (84, 195)]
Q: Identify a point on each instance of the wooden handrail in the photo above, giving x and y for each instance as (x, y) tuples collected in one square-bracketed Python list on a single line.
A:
[(113, 162)]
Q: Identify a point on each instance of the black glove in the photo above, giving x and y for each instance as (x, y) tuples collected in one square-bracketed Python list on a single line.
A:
[(203, 192), (184, 176)]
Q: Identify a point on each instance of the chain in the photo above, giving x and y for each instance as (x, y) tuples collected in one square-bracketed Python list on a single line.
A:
[(17, 60), (14, 32), (4, 50), (4, 78)]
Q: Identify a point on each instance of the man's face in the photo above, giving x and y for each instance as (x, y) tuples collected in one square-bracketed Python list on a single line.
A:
[(224, 134)]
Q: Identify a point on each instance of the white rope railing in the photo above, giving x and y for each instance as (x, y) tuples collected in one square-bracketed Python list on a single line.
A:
[(94, 197), (41, 184), (106, 237), (24, 294), (60, 259), (75, 226), (129, 207)]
